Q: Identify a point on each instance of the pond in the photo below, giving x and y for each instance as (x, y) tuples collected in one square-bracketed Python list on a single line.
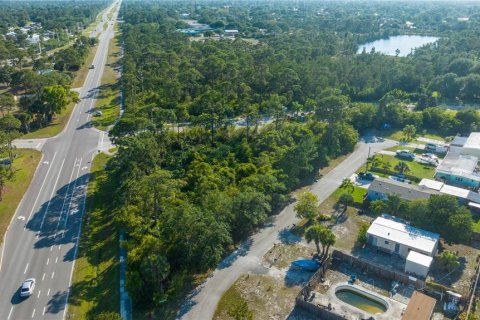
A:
[(365, 302), (405, 44)]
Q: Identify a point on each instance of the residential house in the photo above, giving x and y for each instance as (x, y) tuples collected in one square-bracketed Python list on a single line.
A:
[(459, 169), (381, 188), (395, 236), (464, 196), (230, 33)]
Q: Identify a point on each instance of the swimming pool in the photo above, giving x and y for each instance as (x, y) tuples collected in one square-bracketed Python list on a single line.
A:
[(361, 299)]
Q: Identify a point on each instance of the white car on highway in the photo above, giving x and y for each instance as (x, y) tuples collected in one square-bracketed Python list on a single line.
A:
[(27, 288)]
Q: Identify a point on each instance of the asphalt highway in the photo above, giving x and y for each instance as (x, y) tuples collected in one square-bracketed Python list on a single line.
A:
[(42, 239)]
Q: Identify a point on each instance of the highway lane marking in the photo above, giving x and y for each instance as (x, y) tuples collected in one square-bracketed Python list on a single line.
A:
[(59, 247), (71, 198), (41, 187), (66, 197), (43, 278), (33, 313), (76, 245), (48, 292), (53, 274), (51, 248), (26, 267), (43, 310), (48, 260), (10, 313), (51, 195), (56, 259), (38, 295)]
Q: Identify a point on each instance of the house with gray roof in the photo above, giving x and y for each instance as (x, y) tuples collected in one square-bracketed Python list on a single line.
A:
[(381, 188)]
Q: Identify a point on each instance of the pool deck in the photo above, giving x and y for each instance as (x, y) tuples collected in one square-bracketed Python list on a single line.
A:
[(394, 311)]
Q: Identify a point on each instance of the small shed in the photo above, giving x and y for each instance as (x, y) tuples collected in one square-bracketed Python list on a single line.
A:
[(418, 263), (420, 307)]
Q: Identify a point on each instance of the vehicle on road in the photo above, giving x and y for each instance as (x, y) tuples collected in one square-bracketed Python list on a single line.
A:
[(97, 113), (367, 176), (405, 154), (27, 288), (92, 67)]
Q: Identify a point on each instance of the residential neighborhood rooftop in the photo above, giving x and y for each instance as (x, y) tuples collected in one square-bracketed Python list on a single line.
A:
[(459, 165), (420, 307), (403, 190), (458, 141), (451, 190), (419, 258), (473, 141), (389, 228)]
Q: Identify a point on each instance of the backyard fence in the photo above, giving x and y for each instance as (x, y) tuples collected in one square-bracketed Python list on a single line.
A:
[(378, 270)]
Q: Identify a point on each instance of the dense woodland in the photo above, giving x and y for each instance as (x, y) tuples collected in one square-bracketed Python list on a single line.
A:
[(186, 198)]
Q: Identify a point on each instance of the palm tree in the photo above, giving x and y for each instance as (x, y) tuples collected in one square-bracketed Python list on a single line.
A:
[(315, 233), (328, 239), (348, 184), (372, 162), (409, 132), (402, 167), (346, 199), (386, 166)]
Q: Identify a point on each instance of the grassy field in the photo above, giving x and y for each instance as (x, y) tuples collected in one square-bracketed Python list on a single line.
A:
[(25, 165), (108, 100), (95, 284), (54, 128), (416, 169)]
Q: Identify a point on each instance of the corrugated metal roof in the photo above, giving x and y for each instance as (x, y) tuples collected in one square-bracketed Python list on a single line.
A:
[(387, 228)]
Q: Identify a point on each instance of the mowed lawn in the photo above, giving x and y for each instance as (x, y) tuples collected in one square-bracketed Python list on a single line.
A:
[(55, 127), (95, 283), (416, 169), (108, 99), (24, 165)]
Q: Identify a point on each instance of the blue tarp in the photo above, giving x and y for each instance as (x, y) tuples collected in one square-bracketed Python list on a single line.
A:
[(310, 265)]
